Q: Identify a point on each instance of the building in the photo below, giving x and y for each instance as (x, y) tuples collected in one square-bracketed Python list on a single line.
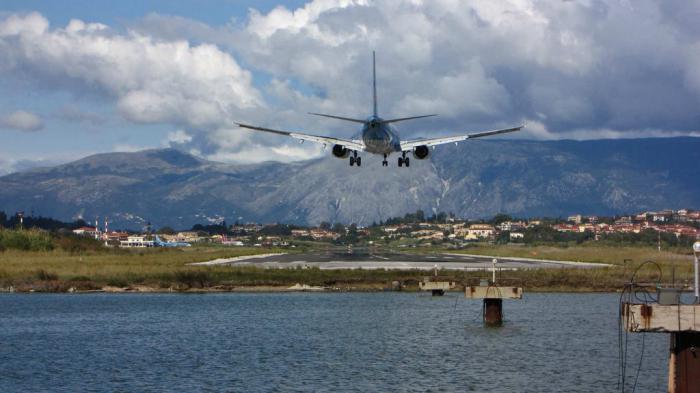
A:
[(300, 233), (516, 236), (87, 231), (187, 237), (565, 227), (320, 234), (137, 241), (512, 226), (115, 236), (480, 231), (576, 219), (428, 234)]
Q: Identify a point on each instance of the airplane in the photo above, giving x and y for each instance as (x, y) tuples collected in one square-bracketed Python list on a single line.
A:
[(379, 136), (157, 242)]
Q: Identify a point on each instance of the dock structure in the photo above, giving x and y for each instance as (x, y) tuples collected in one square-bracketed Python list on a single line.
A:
[(682, 322), (437, 288), (492, 296)]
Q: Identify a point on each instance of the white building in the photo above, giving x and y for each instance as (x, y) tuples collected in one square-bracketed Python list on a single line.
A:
[(136, 241)]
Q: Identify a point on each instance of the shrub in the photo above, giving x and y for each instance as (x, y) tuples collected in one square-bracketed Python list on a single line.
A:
[(193, 278), (31, 240), (43, 275), (77, 244)]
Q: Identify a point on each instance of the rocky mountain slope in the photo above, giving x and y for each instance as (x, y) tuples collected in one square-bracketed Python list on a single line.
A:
[(474, 179)]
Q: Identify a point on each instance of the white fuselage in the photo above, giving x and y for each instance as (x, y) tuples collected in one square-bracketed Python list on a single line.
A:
[(380, 138)]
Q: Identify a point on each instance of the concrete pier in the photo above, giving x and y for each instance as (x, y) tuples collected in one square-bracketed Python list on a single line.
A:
[(493, 296), (437, 288), (682, 321)]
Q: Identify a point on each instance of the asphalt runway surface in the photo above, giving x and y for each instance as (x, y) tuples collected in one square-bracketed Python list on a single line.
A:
[(365, 259)]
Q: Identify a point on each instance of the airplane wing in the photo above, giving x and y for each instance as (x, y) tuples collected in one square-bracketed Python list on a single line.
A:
[(410, 145), (352, 144)]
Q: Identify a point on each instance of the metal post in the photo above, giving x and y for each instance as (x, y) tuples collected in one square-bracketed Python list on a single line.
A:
[(493, 280), (493, 311), (696, 251)]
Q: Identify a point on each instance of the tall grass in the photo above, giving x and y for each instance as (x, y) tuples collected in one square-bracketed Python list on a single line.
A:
[(29, 240), (57, 269)]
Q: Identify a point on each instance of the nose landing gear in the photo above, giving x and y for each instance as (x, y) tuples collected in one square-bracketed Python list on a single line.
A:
[(385, 162)]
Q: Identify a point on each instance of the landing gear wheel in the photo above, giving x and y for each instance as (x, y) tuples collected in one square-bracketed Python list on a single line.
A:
[(358, 161), (352, 161), (400, 161), (406, 161)]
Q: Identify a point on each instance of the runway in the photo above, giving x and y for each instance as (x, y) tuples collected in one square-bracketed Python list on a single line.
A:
[(364, 259)]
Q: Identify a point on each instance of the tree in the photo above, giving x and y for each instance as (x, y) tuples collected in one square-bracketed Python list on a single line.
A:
[(166, 230), (420, 215), (503, 237), (501, 218), (338, 228), (326, 226)]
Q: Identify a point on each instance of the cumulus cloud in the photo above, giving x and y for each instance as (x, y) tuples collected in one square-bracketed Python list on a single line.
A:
[(178, 137), (21, 121), (580, 70), (588, 67), (151, 80)]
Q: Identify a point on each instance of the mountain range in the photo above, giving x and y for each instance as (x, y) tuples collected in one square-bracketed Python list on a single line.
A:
[(472, 180)]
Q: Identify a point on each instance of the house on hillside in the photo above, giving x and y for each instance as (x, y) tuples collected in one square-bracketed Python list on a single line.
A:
[(480, 232), (87, 231)]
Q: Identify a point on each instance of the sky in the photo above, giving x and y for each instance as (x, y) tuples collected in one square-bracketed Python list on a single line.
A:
[(85, 77)]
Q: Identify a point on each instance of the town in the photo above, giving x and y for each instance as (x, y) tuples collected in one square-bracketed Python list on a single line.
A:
[(673, 227)]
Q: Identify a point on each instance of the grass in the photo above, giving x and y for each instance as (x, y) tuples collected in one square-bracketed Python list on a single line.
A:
[(92, 270), (57, 270)]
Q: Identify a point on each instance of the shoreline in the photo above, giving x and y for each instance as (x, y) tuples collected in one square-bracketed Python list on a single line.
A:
[(297, 288)]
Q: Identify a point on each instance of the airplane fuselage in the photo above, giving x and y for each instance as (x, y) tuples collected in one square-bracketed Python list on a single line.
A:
[(380, 138)]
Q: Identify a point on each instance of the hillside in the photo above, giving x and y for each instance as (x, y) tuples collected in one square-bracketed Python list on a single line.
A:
[(474, 179)]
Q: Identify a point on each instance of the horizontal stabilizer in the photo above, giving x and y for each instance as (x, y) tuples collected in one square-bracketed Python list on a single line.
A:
[(406, 118), (339, 117)]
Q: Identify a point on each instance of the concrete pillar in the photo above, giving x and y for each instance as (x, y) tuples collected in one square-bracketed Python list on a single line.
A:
[(493, 311), (684, 363)]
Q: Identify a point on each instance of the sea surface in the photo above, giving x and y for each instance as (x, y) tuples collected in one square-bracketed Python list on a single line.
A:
[(318, 342)]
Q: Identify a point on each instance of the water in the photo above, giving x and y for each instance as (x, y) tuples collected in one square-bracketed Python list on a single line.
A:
[(316, 342)]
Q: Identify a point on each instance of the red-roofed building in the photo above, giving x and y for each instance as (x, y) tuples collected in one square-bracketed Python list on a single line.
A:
[(86, 231)]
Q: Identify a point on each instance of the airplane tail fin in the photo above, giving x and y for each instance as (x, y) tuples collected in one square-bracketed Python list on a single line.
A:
[(374, 84), (374, 103)]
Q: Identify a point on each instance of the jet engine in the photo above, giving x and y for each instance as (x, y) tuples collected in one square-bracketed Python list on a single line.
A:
[(421, 152), (340, 151)]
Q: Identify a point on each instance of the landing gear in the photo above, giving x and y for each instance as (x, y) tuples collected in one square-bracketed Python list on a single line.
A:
[(355, 160), (403, 160), (385, 162)]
